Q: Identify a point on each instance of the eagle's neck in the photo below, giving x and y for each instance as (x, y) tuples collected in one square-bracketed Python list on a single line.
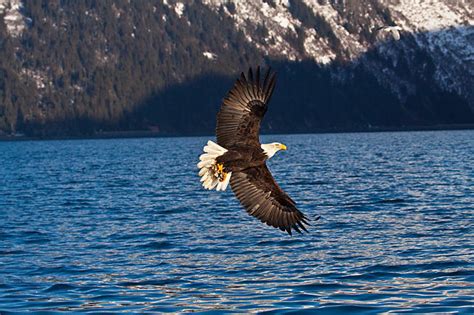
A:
[(269, 149)]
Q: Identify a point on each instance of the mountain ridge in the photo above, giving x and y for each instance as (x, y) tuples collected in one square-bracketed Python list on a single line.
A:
[(71, 68)]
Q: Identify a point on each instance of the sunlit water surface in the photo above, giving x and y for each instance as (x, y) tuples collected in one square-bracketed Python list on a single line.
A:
[(123, 225)]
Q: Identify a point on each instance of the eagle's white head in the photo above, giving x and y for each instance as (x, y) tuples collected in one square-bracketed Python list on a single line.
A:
[(271, 148)]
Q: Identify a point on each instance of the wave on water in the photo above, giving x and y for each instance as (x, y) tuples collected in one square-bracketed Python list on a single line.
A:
[(123, 225)]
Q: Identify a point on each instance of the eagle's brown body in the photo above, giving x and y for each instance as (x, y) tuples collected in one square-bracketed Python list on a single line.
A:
[(240, 158)]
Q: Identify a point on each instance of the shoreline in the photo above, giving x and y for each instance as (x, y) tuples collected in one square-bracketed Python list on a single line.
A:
[(154, 134)]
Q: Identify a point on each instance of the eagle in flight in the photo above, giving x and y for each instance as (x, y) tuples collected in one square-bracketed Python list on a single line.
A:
[(238, 157)]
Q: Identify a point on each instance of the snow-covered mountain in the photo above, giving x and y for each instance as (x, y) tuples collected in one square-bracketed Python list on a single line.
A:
[(327, 30), (117, 64)]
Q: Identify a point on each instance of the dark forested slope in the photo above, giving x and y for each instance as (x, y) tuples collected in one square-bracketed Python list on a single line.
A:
[(81, 67)]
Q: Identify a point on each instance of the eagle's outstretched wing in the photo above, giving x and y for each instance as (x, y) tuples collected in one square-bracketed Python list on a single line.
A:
[(261, 196), (238, 121)]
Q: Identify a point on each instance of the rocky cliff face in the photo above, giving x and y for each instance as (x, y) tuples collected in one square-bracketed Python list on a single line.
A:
[(74, 67), (326, 31)]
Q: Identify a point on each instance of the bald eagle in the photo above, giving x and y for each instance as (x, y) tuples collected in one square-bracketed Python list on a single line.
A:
[(238, 157)]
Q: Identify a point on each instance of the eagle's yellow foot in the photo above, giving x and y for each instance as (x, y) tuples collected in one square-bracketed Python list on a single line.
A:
[(219, 172)]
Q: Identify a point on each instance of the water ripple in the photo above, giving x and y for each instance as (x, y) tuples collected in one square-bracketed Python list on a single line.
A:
[(124, 226)]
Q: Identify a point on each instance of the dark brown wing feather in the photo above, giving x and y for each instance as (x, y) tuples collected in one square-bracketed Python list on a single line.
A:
[(238, 121), (261, 196)]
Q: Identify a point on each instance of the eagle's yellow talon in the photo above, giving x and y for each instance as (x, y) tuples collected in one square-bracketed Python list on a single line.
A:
[(219, 172)]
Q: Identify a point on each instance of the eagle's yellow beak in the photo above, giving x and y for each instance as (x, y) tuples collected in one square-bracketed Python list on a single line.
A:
[(283, 147)]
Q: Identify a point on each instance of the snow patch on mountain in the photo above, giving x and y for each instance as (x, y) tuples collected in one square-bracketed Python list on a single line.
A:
[(179, 8), (40, 78), (209, 55), (281, 27), (318, 48), (13, 17), (416, 16), (349, 41), (276, 21), (445, 29)]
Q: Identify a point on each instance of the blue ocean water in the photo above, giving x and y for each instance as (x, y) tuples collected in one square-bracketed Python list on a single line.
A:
[(124, 225)]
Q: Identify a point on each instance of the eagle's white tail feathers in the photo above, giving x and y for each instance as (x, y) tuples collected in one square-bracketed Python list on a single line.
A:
[(208, 168)]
